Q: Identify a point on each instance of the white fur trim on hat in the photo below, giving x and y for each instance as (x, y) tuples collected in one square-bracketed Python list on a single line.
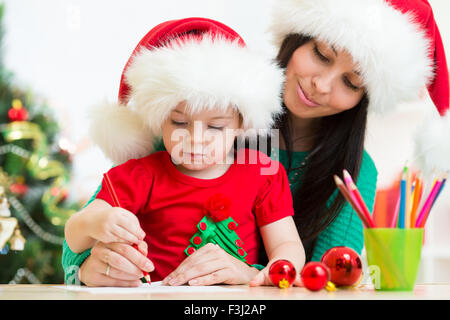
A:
[(432, 149), (119, 132), (391, 50), (205, 74)]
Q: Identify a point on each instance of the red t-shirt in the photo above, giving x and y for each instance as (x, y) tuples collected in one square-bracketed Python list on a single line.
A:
[(169, 203)]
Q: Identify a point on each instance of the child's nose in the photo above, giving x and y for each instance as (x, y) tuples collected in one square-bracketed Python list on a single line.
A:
[(197, 133)]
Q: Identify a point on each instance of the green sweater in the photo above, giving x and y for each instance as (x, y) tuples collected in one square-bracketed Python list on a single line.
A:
[(346, 229)]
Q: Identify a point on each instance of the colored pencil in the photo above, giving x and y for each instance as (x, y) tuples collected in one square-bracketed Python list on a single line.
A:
[(396, 210), (353, 190), (416, 200), (380, 247), (401, 214), (423, 215), (439, 192), (341, 186), (408, 200), (352, 196), (113, 194)]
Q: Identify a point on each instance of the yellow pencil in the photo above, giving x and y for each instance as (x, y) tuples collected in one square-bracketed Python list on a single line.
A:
[(416, 200)]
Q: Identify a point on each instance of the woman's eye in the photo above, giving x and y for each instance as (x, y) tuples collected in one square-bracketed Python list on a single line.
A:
[(176, 123), (350, 85), (320, 55)]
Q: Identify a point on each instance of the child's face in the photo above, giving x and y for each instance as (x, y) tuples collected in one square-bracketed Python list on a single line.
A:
[(201, 140)]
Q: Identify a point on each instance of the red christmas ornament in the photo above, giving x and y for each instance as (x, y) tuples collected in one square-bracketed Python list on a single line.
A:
[(217, 207), (344, 264), (282, 273), (17, 111), (315, 276), (19, 187)]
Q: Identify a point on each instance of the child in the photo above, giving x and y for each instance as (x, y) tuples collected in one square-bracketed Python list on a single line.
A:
[(192, 83)]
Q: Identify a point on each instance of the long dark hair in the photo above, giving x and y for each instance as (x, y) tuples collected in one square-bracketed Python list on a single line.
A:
[(338, 144)]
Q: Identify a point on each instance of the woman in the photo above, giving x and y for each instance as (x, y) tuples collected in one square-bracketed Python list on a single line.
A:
[(341, 62)]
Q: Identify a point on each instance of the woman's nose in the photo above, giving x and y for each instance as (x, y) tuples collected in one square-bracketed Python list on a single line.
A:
[(322, 83)]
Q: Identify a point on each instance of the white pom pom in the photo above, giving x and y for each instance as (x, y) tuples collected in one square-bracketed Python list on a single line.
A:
[(119, 132), (432, 145)]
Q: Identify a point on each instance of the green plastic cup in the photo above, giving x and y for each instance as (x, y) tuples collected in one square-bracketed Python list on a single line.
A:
[(393, 256)]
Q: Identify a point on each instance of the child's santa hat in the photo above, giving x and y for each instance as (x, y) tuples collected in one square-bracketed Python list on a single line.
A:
[(398, 48), (200, 61)]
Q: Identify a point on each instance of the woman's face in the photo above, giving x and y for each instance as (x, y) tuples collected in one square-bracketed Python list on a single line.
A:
[(321, 81)]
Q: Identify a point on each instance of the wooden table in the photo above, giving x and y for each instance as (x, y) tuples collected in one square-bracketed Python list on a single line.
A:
[(434, 291), (237, 302)]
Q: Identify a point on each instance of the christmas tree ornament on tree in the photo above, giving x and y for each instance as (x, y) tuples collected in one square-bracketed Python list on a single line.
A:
[(316, 276), (17, 111), (41, 167), (282, 273), (17, 241), (19, 187), (4, 204), (9, 227), (344, 264)]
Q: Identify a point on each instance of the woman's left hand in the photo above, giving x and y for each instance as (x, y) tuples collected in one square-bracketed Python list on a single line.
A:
[(211, 265)]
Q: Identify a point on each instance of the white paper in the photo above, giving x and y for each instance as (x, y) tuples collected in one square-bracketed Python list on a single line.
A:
[(154, 287)]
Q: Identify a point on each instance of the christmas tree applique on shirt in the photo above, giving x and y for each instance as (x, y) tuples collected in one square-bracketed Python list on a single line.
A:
[(217, 227)]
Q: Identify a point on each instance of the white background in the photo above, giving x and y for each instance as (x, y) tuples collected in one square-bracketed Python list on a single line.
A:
[(71, 54)]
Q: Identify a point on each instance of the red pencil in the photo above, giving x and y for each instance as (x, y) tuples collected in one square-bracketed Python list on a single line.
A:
[(354, 190), (113, 194), (341, 186)]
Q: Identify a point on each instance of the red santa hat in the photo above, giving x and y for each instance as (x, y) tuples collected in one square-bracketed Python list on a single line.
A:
[(398, 48), (197, 60)]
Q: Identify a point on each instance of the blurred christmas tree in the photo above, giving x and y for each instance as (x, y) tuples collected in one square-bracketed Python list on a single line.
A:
[(34, 175)]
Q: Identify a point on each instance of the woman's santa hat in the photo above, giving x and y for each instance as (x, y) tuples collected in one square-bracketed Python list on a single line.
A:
[(200, 61), (398, 48)]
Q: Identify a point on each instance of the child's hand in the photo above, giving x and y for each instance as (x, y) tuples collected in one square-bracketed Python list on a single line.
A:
[(114, 225)]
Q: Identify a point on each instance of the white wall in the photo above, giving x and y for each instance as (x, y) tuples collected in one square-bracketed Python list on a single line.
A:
[(72, 54)]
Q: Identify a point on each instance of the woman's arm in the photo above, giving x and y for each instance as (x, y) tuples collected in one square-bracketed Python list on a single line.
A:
[(72, 261), (347, 229)]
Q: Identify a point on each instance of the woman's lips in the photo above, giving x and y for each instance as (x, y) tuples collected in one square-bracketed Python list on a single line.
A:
[(303, 98)]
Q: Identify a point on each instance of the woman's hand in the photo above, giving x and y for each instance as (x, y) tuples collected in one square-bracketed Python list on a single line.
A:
[(211, 265), (121, 261)]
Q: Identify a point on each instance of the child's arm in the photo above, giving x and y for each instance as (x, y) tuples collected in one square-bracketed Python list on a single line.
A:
[(100, 222), (281, 241)]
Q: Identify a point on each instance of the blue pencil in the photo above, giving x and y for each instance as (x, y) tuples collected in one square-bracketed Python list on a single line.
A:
[(440, 190), (401, 214)]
